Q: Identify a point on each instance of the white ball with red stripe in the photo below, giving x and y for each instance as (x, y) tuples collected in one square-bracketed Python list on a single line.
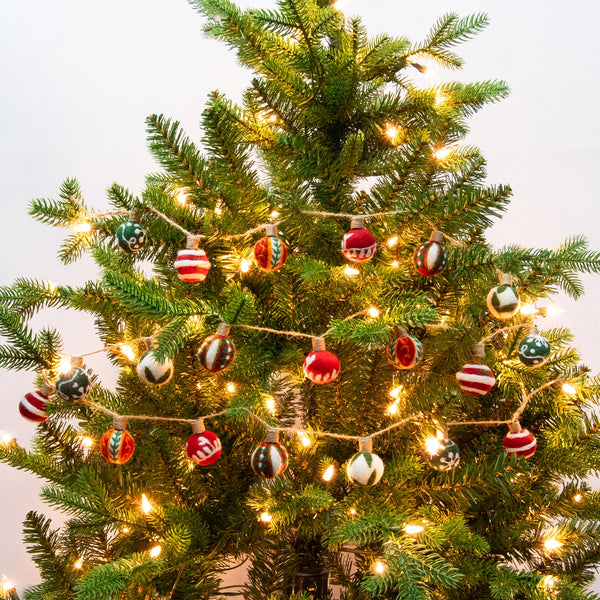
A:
[(192, 265), (33, 407), (476, 379), (522, 443)]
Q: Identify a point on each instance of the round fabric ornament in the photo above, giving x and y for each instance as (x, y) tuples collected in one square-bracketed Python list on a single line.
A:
[(192, 265), (430, 258), (365, 468), (358, 244), (445, 457), (534, 349), (217, 351), (503, 301), (154, 372), (73, 385), (321, 366), (33, 406), (404, 352), (270, 252), (204, 448), (131, 236), (117, 446), (476, 379), (519, 442), (270, 459)]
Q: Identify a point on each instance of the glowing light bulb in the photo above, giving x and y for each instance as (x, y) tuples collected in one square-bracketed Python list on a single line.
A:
[(352, 511), (413, 529), (351, 271), (548, 582), (328, 473), (218, 211), (65, 364), (567, 388), (6, 585), (244, 265), (440, 98), (379, 567), (231, 387), (395, 392), (304, 439), (373, 312), (442, 153), (392, 241), (265, 517), (82, 227), (181, 197), (127, 350), (274, 214), (86, 442), (270, 404), (6, 438), (395, 264), (552, 544), (146, 505), (392, 409), (433, 446), (577, 497), (155, 552), (125, 530), (527, 309), (392, 133), (79, 563)]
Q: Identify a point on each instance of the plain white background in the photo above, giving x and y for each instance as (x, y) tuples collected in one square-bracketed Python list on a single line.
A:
[(77, 80)]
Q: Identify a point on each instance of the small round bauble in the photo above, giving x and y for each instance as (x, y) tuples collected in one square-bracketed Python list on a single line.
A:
[(534, 350), (446, 457), (117, 446), (521, 443), (154, 372), (216, 352), (73, 385), (430, 258), (131, 236), (359, 245), (476, 379), (365, 468), (321, 366), (204, 448), (404, 352), (503, 301), (192, 265), (269, 460), (270, 253), (33, 407)]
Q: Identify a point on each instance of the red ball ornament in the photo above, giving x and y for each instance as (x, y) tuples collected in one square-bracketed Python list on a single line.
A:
[(117, 444), (33, 406), (217, 350), (476, 379), (519, 441), (270, 252), (270, 459), (321, 366), (358, 244), (203, 447), (192, 264), (404, 352), (430, 258)]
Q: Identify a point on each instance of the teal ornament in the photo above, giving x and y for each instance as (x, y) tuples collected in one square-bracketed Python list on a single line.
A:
[(151, 371), (365, 468), (73, 385), (534, 350), (503, 301), (131, 236), (446, 456)]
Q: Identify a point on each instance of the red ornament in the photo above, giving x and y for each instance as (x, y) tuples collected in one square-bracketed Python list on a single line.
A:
[(430, 258), (192, 264), (270, 459), (519, 441), (270, 252), (404, 352), (476, 379), (203, 447), (33, 406), (358, 244), (321, 366), (117, 445)]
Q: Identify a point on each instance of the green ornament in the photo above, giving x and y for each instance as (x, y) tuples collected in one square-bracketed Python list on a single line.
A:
[(131, 236), (446, 457), (534, 350)]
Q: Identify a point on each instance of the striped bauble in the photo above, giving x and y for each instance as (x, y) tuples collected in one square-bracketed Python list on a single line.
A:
[(192, 265), (522, 443), (430, 258), (269, 460), (33, 406), (476, 379), (216, 352)]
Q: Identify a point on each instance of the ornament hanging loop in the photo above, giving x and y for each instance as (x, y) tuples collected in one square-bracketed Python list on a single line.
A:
[(437, 236), (77, 361), (47, 388), (514, 426), (357, 222), (223, 329), (318, 344), (119, 423), (365, 444), (192, 242), (479, 350), (271, 230), (272, 435), (198, 426)]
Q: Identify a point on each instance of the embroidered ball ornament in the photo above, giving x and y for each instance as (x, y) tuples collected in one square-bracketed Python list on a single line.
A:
[(151, 371), (446, 456), (430, 258), (321, 366), (270, 459), (534, 350), (404, 352), (33, 406), (503, 301), (73, 385), (270, 252), (476, 379), (216, 352), (365, 468), (520, 443), (358, 245), (131, 236), (117, 446), (204, 448), (192, 265)]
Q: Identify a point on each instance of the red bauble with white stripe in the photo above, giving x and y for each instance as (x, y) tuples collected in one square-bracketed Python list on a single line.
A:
[(521, 442), (476, 379), (358, 244), (192, 265), (33, 406), (204, 448), (321, 366)]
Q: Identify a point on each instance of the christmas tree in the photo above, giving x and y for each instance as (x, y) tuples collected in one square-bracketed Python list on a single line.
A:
[(326, 373)]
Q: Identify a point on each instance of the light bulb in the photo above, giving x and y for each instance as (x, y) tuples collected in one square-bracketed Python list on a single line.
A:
[(577, 497), (65, 364), (265, 517), (440, 98), (351, 271), (181, 197), (567, 388), (270, 404), (304, 439), (352, 511), (433, 446), (395, 264), (413, 529), (392, 241), (395, 392), (127, 350), (527, 309), (86, 442), (442, 153), (6, 585), (79, 563), (231, 387), (274, 214), (82, 227), (328, 473), (244, 265), (218, 211), (392, 133), (373, 312), (552, 544), (392, 409), (379, 567), (125, 530), (6, 438), (146, 505), (548, 582), (155, 552)]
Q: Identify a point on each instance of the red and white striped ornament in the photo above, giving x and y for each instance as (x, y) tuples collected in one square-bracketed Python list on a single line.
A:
[(519, 441), (203, 447), (217, 351), (270, 459), (321, 366), (358, 244), (192, 264), (476, 379), (33, 405)]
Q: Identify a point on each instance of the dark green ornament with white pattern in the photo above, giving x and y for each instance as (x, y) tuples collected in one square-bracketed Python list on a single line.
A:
[(534, 350), (131, 236), (446, 457)]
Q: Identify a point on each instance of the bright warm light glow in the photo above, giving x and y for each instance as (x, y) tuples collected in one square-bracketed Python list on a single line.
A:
[(352, 511), (548, 582), (266, 517), (413, 529), (553, 311), (395, 264), (392, 409), (127, 350), (552, 544), (6, 438), (577, 497), (146, 505), (218, 211), (244, 265), (155, 552), (442, 153), (125, 530), (379, 567), (181, 197), (87, 442), (79, 563), (567, 388), (440, 98), (304, 439), (83, 227), (199, 385), (270, 404), (394, 393), (274, 214), (373, 312), (433, 446), (392, 133), (527, 309), (392, 241), (231, 387), (6, 585), (328, 473), (351, 271), (65, 364)]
